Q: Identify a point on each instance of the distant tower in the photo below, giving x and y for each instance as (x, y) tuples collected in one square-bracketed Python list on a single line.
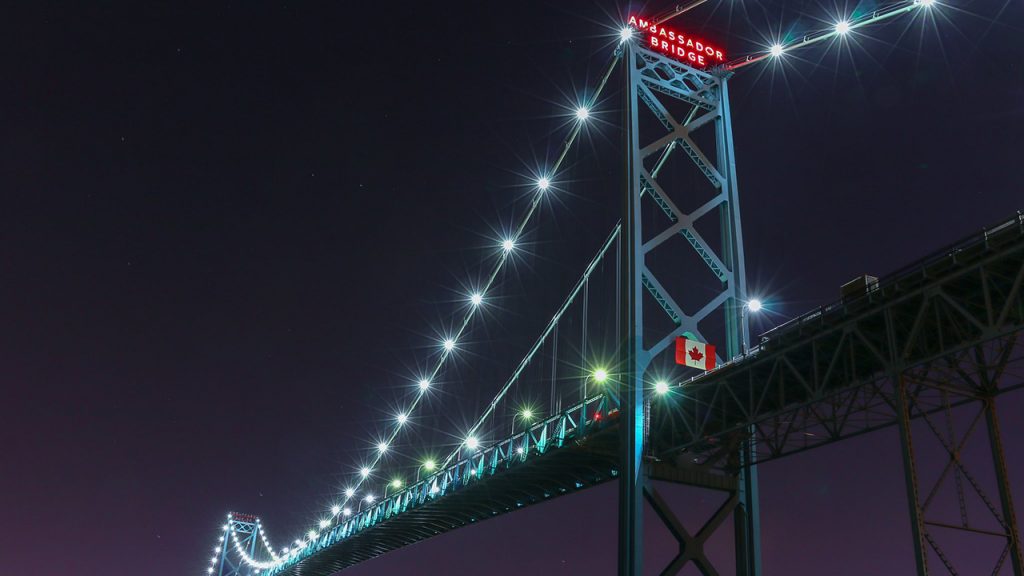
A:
[(246, 528)]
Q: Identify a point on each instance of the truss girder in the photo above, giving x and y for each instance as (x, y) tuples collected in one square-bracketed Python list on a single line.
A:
[(562, 455), (560, 472), (829, 375)]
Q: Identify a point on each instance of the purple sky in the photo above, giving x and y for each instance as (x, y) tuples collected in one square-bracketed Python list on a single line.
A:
[(229, 232)]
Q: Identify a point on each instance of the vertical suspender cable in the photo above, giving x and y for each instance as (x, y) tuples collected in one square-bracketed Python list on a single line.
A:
[(553, 406), (583, 347)]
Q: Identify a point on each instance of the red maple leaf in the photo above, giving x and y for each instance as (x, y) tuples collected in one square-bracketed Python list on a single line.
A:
[(695, 355)]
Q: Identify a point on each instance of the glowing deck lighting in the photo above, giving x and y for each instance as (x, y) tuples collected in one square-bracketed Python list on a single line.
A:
[(382, 447), (449, 345), (369, 498), (526, 414), (925, 3), (429, 465), (519, 450), (625, 34), (842, 27), (777, 50), (661, 387), (543, 183), (350, 492), (324, 524), (364, 473), (472, 443), (402, 418), (346, 512), (424, 384), (600, 375), (754, 305), (396, 483), (311, 534), (582, 113), (476, 299), (210, 570), (508, 245), (335, 510)]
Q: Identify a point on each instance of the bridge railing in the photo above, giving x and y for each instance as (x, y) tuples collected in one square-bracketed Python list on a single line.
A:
[(535, 440)]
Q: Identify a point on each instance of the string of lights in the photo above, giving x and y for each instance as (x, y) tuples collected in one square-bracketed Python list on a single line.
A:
[(266, 541), (218, 548), (476, 299), (540, 341), (245, 555), (841, 28)]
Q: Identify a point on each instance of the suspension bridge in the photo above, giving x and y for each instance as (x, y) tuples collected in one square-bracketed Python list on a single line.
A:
[(927, 350)]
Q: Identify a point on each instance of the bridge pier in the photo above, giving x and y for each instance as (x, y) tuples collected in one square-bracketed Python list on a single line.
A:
[(951, 398)]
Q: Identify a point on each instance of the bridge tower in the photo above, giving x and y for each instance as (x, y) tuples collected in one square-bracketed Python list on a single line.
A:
[(242, 530), (681, 189)]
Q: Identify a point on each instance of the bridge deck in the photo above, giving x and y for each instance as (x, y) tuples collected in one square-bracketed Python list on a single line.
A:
[(520, 482), (949, 320), (820, 378)]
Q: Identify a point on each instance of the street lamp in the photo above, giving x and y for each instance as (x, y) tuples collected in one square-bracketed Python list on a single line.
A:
[(395, 484), (526, 415), (428, 466), (753, 305)]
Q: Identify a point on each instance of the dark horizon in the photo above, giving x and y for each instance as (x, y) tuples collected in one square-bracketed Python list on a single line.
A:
[(231, 235)]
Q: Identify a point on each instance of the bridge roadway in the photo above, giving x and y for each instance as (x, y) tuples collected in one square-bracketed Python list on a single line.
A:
[(948, 323)]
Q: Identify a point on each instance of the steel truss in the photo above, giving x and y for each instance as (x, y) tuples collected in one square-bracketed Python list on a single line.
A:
[(560, 455), (684, 101), (939, 341), (968, 382)]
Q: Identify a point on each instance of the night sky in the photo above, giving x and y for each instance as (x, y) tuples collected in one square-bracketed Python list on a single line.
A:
[(230, 234)]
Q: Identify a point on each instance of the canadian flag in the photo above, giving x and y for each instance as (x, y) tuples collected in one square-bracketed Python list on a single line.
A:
[(695, 354)]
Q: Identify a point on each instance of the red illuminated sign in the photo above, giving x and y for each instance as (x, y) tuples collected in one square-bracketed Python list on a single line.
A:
[(683, 47)]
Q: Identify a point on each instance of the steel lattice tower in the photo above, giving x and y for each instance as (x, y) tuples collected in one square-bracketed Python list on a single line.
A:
[(246, 529), (660, 86)]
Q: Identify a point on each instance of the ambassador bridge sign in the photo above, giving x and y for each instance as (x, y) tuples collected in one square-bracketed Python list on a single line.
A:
[(689, 49)]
